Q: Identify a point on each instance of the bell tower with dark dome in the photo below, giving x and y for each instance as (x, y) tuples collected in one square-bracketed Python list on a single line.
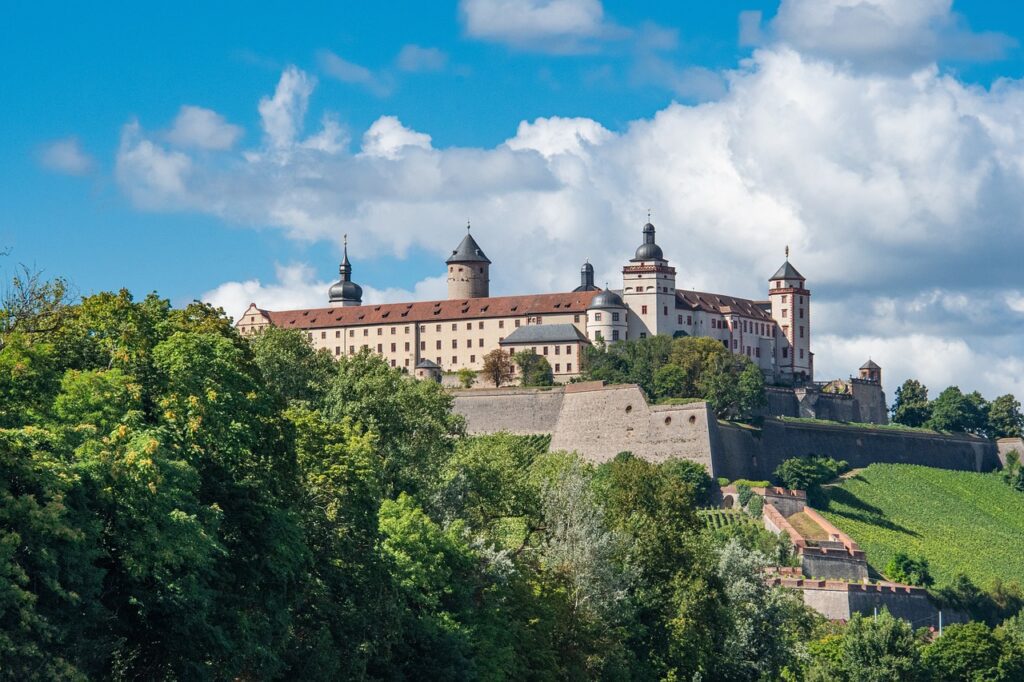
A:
[(345, 292), (649, 289)]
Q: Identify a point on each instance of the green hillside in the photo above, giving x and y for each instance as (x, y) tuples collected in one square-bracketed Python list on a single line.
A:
[(961, 522)]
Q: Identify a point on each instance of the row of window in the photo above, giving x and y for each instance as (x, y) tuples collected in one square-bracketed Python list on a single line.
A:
[(535, 319)]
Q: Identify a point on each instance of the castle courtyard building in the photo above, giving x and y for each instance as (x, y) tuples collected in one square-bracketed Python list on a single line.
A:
[(458, 332)]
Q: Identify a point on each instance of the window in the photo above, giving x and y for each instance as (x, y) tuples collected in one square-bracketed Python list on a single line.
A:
[(615, 335), (366, 332), (801, 299), (423, 328), (568, 350), (438, 347), (597, 317), (472, 358), (480, 325), (407, 362), (545, 350), (310, 335), (455, 343), (337, 334), (558, 350), (393, 348), (469, 325), (337, 350), (558, 367), (689, 320), (568, 367), (380, 331), (757, 352), (455, 327), (748, 351), (480, 343), (784, 297), (351, 333), (352, 350), (615, 317), (323, 335), (597, 336), (734, 344), (437, 328), (406, 345), (785, 353), (438, 360), (501, 323), (801, 331), (679, 319), (380, 348), (517, 323), (801, 353), (785, 330), (801, 313), (455, 360), (643, 335), (423, 345), (394, 330), (575, 318), (784, 313), (406, 329), (643, 310), (664, 310), (469, 343), (725, 342), (533, 349), (392, 363)]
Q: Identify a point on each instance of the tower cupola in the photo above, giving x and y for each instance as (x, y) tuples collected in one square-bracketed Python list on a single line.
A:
[(587, 278), (648, 250), (345, 292)]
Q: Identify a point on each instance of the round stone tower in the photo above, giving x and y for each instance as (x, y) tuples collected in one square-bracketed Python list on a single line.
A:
[(469, 270)]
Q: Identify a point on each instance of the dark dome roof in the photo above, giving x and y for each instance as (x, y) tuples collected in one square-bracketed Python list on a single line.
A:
[(345, 291), (587, 267), (606, 299), (649, 252)]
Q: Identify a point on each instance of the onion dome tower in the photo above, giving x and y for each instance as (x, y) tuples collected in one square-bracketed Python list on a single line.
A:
[(587, 278), (468, 270), (345, 292), (649, 289)]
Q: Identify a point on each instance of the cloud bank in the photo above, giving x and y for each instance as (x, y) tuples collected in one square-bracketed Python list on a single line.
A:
[(898, 191)]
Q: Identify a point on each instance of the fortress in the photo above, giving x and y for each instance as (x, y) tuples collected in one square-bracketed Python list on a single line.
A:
[(434, 336)]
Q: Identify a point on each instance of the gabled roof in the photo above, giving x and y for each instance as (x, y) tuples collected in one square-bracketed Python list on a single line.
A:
[(468, 251), (433, 311), (545, 333), (787, 271), (722, 305), (870, 364)]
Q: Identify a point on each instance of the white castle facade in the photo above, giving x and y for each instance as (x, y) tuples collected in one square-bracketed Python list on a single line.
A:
[(456, 333)]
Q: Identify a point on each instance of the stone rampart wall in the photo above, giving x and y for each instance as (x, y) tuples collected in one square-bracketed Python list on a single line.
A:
[(1006, 445), (516, 410)]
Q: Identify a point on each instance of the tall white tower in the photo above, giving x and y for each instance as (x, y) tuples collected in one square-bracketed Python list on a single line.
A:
[(791, 309), (649, 289)]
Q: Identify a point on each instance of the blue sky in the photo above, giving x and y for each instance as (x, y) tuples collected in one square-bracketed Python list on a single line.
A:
[(136, 153)]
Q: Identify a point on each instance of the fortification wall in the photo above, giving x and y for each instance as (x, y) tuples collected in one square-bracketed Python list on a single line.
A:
[(838, 600), (862, 446), (523, 411), (597, 421), (601, 421), (1005, 445)]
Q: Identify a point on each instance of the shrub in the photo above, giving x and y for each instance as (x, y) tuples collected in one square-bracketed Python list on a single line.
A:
[(743, 493), (806, 473), (756, 506), (912, 571), (466, 377)]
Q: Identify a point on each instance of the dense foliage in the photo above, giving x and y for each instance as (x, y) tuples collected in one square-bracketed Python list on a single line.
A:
[(953, 410), (177, 502), (688, 367), (961, 522), (534, 370)]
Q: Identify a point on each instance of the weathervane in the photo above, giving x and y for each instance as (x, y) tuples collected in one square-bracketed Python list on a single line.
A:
[(787, 251)]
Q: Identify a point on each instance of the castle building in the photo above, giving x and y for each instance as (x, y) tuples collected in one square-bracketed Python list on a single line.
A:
[(458, 332)]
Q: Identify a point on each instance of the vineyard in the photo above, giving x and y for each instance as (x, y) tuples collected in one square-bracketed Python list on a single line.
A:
[(961, 522), (720, 518)]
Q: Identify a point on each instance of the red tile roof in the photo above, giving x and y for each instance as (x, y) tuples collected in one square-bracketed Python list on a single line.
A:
[(426, 311), (715, 303)]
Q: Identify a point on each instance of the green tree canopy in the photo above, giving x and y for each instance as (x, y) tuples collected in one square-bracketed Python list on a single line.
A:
[(911, 406), (534, 369)]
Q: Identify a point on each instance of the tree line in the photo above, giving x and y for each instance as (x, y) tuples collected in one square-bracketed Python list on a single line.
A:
[(954, 410)]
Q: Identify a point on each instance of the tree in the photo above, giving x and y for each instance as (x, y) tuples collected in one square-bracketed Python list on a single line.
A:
[(879, 649), (291, 366), (967, 651), (911, 406), (954, 411), (912, 571), (498, 367), (534, 369), (1005, 418), (808, 473), (670, 382), (466, 377), (31, 305)]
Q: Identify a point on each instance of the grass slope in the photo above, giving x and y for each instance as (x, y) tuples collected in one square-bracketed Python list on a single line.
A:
[(961, 522)]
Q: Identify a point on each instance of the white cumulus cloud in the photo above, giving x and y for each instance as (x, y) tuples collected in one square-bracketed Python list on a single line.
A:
[(65, 156), (387, 137), (202, 128), (282, 114), (543, 25)]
